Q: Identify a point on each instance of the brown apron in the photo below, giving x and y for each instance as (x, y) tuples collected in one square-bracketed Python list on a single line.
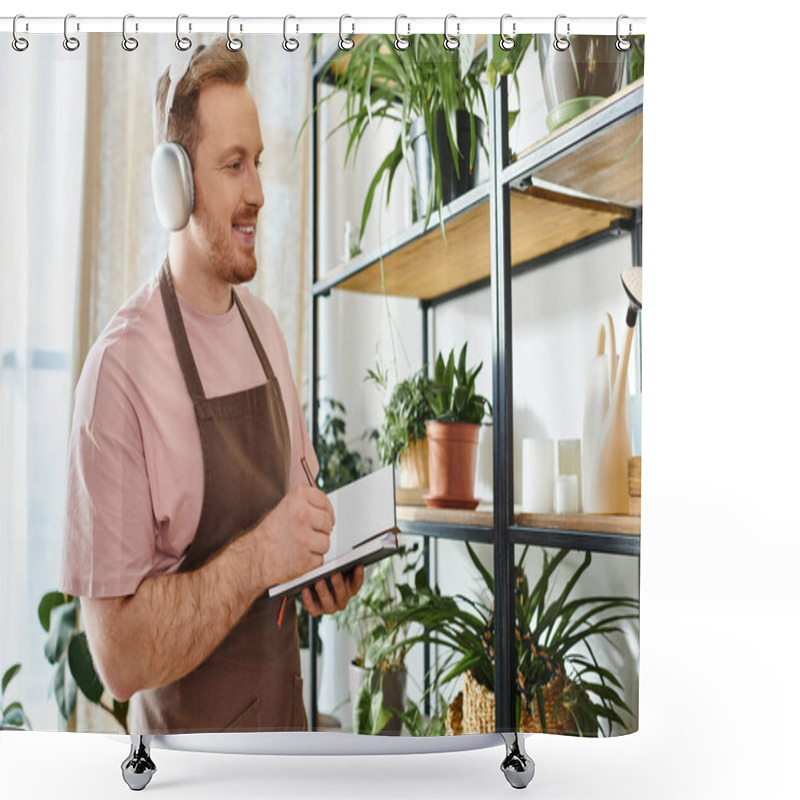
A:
[(251, 682)]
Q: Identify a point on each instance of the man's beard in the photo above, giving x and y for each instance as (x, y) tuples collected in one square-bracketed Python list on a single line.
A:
[(232, 264)]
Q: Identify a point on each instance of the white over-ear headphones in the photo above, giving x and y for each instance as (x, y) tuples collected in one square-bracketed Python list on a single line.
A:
[(170, 168)]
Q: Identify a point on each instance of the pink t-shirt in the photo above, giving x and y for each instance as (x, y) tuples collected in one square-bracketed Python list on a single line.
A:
[(135, 474)]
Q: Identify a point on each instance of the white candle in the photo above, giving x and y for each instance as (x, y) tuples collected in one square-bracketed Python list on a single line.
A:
[(569, 461), (537, 475), (566, 494)]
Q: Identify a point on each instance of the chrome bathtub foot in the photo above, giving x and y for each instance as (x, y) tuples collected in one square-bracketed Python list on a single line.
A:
[(518, 766), (138, 768)]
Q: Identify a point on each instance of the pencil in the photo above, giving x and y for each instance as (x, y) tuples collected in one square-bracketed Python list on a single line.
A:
[(310, 480)]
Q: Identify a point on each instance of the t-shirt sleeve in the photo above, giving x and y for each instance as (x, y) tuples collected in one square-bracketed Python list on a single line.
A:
[(109, 538)]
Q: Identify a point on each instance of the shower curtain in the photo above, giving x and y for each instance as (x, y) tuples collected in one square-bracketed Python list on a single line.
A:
[(415, 651)]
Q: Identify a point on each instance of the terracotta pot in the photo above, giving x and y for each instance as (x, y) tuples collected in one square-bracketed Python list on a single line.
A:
[(452, 456), (414, 466)]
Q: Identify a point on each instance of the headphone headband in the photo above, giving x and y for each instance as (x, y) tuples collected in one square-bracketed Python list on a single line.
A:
[(177, 69)]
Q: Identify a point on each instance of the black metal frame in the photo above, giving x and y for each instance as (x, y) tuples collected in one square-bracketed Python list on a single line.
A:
[(504, 534)]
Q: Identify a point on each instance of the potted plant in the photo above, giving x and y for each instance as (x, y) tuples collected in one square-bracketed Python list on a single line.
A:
[(458, 411), (434, 94), (561, 685), (589, 70), (12, 715), (402, 437), (377, 673)]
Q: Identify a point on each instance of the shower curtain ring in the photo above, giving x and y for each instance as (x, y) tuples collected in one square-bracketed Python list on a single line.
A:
[(19, 43), (400, 42), (234, 43), (623, 43), (70, 42), (289, 45), (506, 42), (451, 42), (561, 42), (182, 42), (346, 42), (128, 42)]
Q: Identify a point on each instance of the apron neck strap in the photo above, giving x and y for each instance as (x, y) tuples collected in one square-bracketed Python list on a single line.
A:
[(179, 337)]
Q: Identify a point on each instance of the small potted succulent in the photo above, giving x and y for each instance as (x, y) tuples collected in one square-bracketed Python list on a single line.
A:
[(458, 411)]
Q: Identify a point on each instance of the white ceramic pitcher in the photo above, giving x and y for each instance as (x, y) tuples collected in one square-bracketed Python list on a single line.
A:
[(606, 426)]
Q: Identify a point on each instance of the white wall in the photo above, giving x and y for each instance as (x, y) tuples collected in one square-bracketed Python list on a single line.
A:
[(556, 312)]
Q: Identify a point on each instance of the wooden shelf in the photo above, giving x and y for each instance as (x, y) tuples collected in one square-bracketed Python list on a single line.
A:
[(584, 523), (607, 164), (430, 266), (483, 517)]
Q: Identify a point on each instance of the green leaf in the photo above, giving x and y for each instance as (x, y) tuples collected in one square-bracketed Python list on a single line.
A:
[(13, 719), (8, 677), (65, 689), (63, 620), (485, 574), (82, 668), (48, 603)]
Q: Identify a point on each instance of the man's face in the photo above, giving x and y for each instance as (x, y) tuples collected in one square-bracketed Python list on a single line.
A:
[(228, 192)]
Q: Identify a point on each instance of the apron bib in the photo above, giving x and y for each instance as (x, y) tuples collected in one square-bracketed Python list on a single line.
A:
[(251, 682)]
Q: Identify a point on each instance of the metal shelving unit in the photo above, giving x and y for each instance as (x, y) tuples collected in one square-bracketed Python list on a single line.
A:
[(572, 190)]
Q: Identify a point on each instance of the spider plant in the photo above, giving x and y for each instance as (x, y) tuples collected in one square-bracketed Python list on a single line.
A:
[(425, 81), (552, 631)]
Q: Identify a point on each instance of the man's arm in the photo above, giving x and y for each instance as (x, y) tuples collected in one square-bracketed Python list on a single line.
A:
[(174, 622)]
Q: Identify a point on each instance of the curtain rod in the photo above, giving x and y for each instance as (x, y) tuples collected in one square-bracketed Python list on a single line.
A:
[(350, 25)]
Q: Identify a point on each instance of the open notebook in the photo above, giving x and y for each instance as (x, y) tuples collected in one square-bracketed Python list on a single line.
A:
[(365, 529)]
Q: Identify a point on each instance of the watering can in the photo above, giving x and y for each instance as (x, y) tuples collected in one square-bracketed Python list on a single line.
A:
[(606, 418)]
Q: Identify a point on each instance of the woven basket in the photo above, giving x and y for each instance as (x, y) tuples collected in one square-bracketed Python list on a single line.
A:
[(472, 711)]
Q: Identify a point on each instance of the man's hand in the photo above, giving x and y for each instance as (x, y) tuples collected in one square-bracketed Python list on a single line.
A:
[(325, 602), (295, 535)]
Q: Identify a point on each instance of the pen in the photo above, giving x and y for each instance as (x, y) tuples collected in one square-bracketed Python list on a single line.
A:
[(311, 482)]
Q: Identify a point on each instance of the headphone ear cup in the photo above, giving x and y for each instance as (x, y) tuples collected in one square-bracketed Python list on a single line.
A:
[(173, 185)]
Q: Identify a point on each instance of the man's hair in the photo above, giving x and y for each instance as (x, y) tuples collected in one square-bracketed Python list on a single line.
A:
[(212, 63)]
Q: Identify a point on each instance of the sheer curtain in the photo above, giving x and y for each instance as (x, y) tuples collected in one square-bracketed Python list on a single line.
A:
[(42, 100), (78, 235)]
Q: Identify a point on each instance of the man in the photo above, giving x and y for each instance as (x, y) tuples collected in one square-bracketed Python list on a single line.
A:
[(187, 496)]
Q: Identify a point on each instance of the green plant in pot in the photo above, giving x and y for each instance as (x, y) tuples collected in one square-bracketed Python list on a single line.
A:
[(588, 71), (562, 687), (402, 437), (434, 94), (458, 411), (377, 673)]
